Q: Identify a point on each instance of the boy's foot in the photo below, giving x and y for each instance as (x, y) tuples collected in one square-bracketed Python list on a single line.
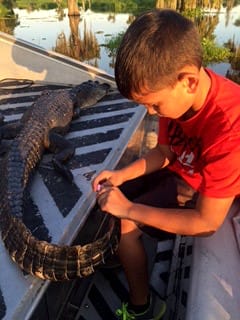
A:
[(155, 311)]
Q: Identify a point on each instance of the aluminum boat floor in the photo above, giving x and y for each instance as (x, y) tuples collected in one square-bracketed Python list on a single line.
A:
[(109, 288)]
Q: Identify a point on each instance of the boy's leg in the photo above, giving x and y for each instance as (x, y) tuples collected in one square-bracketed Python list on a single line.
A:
[(134, 262), (158, 190)]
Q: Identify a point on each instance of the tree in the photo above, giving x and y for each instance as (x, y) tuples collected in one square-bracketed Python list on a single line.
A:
[(73, 9)]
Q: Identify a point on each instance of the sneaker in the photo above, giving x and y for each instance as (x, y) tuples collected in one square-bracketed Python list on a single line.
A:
[(155, 311)]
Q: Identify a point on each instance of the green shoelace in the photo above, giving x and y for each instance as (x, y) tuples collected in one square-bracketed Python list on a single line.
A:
[(123, 313)]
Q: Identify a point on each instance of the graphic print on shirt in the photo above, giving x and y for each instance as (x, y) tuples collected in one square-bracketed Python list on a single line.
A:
[(187, 149)]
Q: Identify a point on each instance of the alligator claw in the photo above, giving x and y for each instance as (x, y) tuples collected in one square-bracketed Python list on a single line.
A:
[(3, 149), (62, 169), (63, 150)]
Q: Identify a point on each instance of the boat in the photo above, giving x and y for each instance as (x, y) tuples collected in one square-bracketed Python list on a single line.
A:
[(198, 277)]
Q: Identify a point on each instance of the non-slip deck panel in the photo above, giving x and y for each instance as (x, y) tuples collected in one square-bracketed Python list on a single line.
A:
[(55, 209), (108, 288)]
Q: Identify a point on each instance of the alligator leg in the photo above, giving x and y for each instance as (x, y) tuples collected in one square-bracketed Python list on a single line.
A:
[(76, 113), (8, 131), (4, 147), (63, 150), (1, 119)]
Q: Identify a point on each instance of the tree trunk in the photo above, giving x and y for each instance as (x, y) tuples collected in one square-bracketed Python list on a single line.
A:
[(73, 9)]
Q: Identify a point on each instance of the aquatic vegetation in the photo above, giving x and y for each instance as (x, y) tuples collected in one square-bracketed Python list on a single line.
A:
[(234, 71), (213, 53), (113, 43)]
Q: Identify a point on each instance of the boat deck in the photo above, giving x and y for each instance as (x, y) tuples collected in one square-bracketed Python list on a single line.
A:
[(191, 274), (55, 209)]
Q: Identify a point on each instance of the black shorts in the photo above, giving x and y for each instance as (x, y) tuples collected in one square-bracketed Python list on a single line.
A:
[(158, 189)]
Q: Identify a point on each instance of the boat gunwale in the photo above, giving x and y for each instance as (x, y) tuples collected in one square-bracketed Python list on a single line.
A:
[(56, 56)]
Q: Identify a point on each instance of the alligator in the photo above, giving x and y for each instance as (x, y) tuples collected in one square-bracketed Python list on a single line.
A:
[(39, 129)]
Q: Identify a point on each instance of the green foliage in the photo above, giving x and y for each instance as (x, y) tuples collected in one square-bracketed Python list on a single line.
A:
[(48, 6), (6, 9), (225, 3), (212, 53), (3, 11), (116, 6), (111, 6), (113, 43), (39, 4), (193, 14), (122, 6), (235, 54)]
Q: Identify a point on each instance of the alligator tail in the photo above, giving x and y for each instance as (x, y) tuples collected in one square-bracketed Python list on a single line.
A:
[(54, 262)]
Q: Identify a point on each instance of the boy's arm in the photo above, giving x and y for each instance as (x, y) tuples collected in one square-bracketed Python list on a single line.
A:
[(204, 220), (157, 158)]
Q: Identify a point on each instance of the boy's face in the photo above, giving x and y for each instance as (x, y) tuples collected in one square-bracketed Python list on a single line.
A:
[(171, 102)]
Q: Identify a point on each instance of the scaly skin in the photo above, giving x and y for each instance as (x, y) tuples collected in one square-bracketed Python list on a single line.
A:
[(44, 260)]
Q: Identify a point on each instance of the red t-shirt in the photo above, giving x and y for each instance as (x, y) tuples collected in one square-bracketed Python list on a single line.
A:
[(208, 144)]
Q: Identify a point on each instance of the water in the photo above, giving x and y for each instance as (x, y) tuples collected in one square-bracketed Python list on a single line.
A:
[(226, 28), (43, 28), (85, 38)]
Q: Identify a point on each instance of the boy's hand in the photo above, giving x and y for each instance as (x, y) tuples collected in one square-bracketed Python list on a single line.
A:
[(113, 178), (112, 200)]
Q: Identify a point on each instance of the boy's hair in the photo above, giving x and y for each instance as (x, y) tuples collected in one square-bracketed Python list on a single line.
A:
[(156, 46)]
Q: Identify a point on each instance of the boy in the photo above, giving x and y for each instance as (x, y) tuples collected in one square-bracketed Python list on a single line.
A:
[(159, 64)]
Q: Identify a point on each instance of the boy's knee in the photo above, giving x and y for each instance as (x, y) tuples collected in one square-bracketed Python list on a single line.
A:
[(129, 228)]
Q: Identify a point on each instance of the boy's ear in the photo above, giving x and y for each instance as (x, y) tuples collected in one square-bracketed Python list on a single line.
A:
[(189, 81)]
